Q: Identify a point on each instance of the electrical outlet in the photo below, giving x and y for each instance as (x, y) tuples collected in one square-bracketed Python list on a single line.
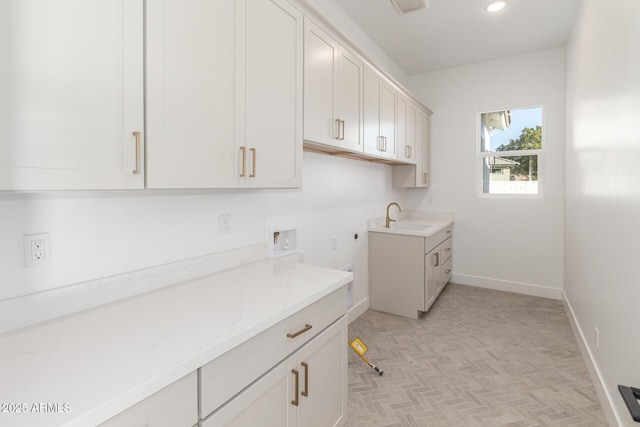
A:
[(224, 224), (37, 250)]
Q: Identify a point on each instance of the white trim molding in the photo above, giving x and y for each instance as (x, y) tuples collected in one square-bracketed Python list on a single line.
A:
[(506, 285), (358, 309), (611, 415)]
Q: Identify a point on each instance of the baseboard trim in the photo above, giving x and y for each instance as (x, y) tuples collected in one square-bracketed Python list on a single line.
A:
[(358, 309), (508, 286), (596, 378)]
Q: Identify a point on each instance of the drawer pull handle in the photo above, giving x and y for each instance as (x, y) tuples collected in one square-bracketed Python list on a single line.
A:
[(447, 249), (301, 331), (294, 402), (305, 393), (448, 231), (447, 271)]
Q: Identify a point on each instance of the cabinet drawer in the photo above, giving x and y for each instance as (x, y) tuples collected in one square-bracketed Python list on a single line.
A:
[(174, 406), (446, 271), (447, 249), (447, 232), (227, 375)]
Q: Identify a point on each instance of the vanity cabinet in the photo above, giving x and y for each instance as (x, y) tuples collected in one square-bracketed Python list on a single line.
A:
[(72, 103), (174, 405), (224, 94), (380, 103), (408, 272), (410, 176), (332, 91), (252, 385)]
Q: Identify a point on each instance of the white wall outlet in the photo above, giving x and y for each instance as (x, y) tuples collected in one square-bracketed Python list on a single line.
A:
[(37, 250), (224, 224)]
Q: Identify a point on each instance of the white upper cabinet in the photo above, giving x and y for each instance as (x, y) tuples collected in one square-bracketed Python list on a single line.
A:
[(415, 176), (406, 131), (332, 92), (71, 103), (380, 103), (423, 121), (191, 94), (274, 84), (224, 94)]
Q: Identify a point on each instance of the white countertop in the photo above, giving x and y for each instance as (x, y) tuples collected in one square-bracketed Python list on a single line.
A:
[(415, 223), (102, 361)]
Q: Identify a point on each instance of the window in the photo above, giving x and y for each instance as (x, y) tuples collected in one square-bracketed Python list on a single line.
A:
[(511, 151)]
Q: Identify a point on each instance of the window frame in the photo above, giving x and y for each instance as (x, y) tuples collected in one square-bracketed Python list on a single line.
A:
[(481, 155)]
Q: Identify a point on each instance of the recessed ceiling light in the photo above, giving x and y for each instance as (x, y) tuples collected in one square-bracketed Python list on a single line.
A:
[(496, 6)]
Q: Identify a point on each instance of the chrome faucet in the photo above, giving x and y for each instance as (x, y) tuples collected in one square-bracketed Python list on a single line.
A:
[(389, 220)]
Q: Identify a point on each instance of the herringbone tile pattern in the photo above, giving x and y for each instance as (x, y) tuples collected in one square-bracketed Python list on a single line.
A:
[(478, 358)]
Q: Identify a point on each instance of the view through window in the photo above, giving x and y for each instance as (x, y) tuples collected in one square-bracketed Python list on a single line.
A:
[(511, 151)]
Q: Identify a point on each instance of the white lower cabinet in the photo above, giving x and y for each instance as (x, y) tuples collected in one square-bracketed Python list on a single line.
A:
[(309, 388), (266, 403), (407, 273), (174, 406)]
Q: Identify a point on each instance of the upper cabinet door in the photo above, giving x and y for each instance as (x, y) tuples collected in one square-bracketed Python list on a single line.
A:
[(320, 59), (273, 84), (349, 101), (380, 103), (406, 130), (191, 94), (71, 103), (422, 166), (332, 91)]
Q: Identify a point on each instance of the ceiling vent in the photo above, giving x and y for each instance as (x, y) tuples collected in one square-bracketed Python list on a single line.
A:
[(406, 6)]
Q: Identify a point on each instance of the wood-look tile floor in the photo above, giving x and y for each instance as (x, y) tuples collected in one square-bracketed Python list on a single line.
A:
[(478, 358)]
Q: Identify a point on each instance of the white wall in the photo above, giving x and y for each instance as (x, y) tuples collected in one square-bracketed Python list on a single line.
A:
[(98, 234), (602, 213), (511, 244)]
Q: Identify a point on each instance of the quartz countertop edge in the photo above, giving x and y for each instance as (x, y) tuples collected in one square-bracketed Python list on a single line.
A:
[(107, 359)]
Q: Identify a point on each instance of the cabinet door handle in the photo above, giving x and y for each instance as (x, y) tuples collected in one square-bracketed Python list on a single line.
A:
[(424, 178), (447, 271), (305, 393), (342, 132), (407, 151), (337, 129), (137, 169), (384, 143), (447, 249), (243, 150), (448, 232), (253, 153), (294, 402), (301, 331), (437, 254)]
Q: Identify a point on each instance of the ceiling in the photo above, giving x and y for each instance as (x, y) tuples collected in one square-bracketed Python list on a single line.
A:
[(452, 33)]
